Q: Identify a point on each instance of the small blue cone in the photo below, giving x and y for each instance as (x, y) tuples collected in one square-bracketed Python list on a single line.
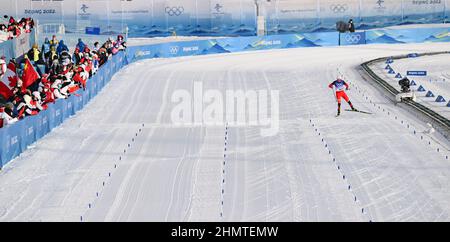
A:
[(398, 75), (413, 83), (440, 99), (391, 71), (429, 94), (421, 89), (388, 67)]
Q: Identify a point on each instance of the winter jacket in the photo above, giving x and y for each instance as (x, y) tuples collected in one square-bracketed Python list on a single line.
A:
[(80, 45), (51, 56), (46, 46), (34, 55), (61, 47)]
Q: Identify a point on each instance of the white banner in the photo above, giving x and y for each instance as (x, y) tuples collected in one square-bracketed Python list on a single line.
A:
[(234, 16), (21, 44)]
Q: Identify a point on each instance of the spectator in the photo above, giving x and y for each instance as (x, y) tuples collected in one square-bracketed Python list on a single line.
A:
[(61, 77), (13, 28), (77, 55), (108, 45), (118, 45), (65, 58), (51, 56), (96, 47), (6, 115), (54, 41), (62, 47), (45, 48), (80, 45), (34, 55)]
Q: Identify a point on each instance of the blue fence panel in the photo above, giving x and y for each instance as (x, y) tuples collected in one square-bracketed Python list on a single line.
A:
[(7, 49), (28, 133), (229, 45), (413, 35), (357, 38), (10, 142)]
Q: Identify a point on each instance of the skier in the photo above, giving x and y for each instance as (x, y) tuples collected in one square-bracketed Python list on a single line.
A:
[(340, 85)]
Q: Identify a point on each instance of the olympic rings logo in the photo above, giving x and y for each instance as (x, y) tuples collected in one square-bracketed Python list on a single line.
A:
[(174, 11), (352, 39), (339, 8), (174, 50)]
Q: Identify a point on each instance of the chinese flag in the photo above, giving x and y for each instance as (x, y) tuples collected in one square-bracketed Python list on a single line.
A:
[(29, 75)]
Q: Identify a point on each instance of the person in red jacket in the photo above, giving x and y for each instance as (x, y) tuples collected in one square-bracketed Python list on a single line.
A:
[(340, 86)]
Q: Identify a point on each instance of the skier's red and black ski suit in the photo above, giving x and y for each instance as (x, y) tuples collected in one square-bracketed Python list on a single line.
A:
[(340, 86)]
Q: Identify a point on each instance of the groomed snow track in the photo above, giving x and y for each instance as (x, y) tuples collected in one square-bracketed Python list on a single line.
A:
[(121, 159)]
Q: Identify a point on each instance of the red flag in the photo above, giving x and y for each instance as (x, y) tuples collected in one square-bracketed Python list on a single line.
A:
[(8, 81), (29, 75)]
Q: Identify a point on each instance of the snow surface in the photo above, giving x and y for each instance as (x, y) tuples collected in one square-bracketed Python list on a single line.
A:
[(175, 173), (437, 80)]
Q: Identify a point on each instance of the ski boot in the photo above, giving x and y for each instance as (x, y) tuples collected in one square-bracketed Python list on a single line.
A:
[(351, 106)]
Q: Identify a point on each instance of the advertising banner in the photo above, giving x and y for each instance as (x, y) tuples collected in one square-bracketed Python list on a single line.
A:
[(357, 38), (225, 17), (22, 44)]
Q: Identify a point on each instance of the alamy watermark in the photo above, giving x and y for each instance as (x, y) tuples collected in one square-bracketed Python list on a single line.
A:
[(236, 108)]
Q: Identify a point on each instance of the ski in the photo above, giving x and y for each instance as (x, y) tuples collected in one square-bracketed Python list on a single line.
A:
[(357, 111)]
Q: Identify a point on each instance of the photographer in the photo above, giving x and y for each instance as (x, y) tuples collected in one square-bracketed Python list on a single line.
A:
[(351, 26), (405, 85)]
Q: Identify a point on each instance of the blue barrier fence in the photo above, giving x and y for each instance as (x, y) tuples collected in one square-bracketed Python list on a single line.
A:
[(6, 49), (15, 138), (238, 44)]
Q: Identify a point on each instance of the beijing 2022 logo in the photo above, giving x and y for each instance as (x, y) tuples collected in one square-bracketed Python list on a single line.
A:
[(174, 11), (380, 5)]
